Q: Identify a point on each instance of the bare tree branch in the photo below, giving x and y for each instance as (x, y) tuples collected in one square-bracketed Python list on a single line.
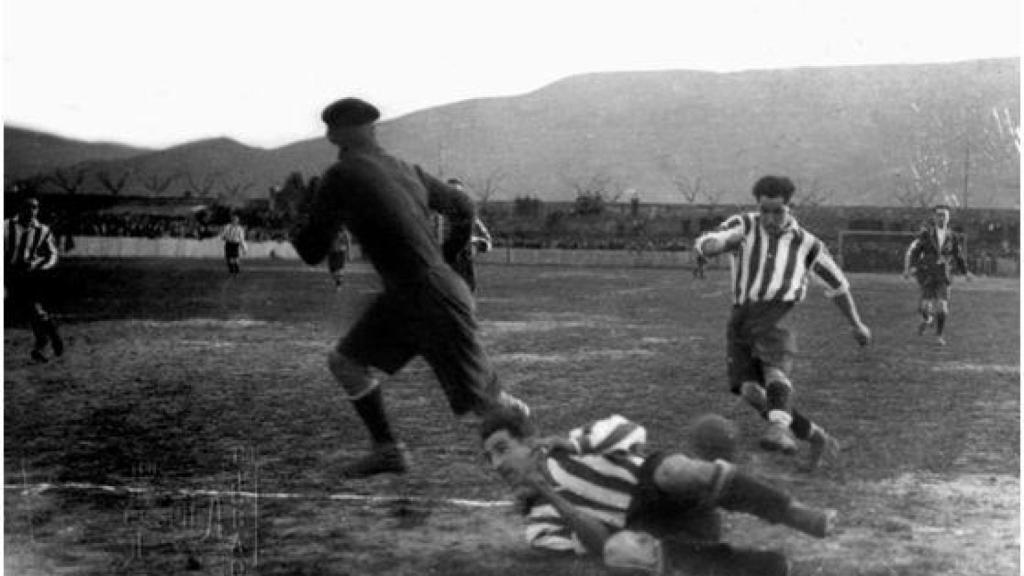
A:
[(111, 184)]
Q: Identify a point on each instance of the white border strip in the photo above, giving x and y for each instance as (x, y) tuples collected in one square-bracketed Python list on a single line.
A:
[(29, 489)]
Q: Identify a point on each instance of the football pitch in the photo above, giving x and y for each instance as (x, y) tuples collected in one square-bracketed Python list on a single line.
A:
[(193, 428)]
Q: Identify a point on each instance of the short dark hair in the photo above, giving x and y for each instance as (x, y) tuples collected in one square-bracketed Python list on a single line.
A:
[(517, 424), (454, 182), (945, 207), (774, 187)]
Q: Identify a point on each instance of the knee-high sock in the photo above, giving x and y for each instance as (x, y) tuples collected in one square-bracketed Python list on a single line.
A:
[(745, 493), (371, 410), (940, 322)]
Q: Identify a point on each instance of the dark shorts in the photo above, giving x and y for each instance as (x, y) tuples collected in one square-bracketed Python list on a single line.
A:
[(652, 511), (933, 288), (433, 318), (755, 341), (231, 249), (336, 260)]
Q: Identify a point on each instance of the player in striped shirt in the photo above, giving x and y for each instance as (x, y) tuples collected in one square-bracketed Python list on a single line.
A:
[(234, 243), (597, 491), (29, 250), (772, 259)]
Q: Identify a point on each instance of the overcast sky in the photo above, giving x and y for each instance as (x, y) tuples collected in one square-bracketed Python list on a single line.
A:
[(162, 72)]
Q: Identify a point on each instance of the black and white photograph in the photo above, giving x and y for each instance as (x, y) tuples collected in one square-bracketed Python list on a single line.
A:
[(555, 288)]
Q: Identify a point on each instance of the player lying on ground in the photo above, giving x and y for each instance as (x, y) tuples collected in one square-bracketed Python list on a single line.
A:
[(772, 258), (425, 310), (931, 258), (596, 491)]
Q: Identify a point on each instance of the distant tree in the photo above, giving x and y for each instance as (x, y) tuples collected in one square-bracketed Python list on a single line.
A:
[(690, 188), (811, 193), (593, 194), (69, 180), (202, 186), (27, 185), (234, 190), (485, 187), (112, 184), (526, 206), (158, 184)]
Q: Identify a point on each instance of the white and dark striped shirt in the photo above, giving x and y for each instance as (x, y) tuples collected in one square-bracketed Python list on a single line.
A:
[(598, 479), (775, 268), (234, 233), (24, 243)]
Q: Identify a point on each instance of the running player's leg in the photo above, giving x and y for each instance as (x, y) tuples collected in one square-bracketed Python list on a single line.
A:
[(374, 341), (454, 351), (941, 312)]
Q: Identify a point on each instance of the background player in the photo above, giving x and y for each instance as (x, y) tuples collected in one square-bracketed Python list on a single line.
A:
[(930, 257), (772, 257), (29, 251)]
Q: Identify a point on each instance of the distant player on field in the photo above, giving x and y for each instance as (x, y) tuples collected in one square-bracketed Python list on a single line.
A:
[(29, 251), (772, 257), (426, 309), (461, 256), (233, 236), (598, 491), (930, 257)]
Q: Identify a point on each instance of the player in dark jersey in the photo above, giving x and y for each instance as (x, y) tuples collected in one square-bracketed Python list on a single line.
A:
[(931, 258), (425, 309)]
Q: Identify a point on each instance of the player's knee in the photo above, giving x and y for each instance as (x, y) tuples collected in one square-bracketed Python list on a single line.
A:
[(683, 477), (943, 307), (775, 376), (355, 378), (754, 395)]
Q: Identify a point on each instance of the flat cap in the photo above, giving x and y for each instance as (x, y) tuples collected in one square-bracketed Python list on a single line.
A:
[(350, 112)]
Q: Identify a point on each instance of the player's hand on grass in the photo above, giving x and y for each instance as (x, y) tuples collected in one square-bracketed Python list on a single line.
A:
[(968, 277), (907, 273), (862, 334)]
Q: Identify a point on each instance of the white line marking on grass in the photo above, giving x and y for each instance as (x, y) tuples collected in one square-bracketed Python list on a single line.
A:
[(32, 489), (969, 367), (199, 322)]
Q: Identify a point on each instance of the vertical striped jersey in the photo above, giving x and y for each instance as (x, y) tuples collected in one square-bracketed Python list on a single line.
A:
[(775, 268), (598, 479), (24, 243), (233, 233)]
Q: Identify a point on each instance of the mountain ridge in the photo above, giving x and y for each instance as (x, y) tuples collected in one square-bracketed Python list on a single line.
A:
[(851, 135)]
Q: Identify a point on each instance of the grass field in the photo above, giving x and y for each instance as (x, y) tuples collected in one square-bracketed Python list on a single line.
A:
[(182, 384)]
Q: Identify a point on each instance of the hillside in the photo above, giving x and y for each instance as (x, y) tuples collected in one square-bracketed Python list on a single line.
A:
[(852, 135), (27, 152)]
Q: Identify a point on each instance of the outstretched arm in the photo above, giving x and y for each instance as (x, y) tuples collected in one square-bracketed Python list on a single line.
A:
[(838, 289), (726, 238), (909, 256)]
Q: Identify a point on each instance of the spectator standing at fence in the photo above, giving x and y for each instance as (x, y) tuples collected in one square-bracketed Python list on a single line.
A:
[(461, 256), (29, 252), (772, 258), (425, 309), (233, 236), (930, 258)]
